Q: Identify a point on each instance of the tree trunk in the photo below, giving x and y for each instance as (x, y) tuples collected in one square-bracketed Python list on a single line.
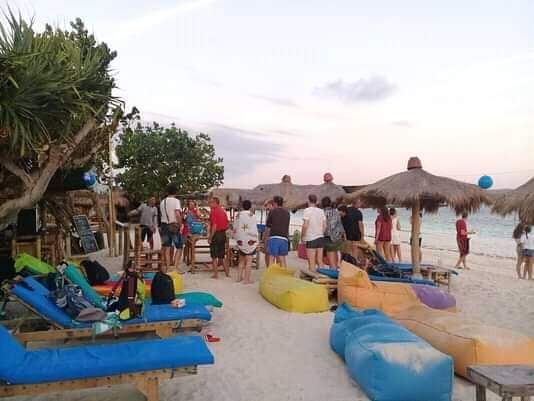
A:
[(416, 231)]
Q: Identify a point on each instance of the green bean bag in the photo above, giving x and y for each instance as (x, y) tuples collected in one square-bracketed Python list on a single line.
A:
[(36, 266), (75, 277)]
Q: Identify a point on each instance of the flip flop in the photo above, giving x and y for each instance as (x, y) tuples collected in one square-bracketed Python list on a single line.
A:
[(211, 339)]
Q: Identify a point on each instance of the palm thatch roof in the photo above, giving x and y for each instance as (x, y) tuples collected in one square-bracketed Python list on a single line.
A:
[(295, 196), (520, 199), (417, 186)]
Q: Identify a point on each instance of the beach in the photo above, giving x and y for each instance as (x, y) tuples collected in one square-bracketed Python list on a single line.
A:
[(269, 354)]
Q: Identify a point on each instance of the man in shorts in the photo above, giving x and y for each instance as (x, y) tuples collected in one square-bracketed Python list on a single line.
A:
[(171, 222), (148, 219), (217, 236), (313, 230), (352, 220), (277, 232)]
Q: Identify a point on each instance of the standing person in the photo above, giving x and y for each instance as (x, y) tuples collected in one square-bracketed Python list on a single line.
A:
[(395, 235), (246, 234), (383, 233), (352, 220), (334, 232), (516, 235), (269, 205), (217, 236), (527, 241), (191, 214), (148, 220), (277, 232), (313, 230), (171, 226), (462, 238)]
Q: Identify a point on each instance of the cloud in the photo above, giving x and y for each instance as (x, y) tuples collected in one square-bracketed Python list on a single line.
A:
[(242, 150), (145, 22), (279, 101), (402, 123), (363, 90)]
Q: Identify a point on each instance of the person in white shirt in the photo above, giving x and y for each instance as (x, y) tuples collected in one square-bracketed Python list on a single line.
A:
[(527, 242), (171, 227), (246, 235), (313, 230)]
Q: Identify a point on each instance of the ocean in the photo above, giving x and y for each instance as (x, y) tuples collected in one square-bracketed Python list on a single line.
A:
[(438, 231)]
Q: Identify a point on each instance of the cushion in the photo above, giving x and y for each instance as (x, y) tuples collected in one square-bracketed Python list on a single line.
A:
[(55, 364)]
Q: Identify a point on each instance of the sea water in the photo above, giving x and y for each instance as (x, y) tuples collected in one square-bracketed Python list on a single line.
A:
[(438, 230)]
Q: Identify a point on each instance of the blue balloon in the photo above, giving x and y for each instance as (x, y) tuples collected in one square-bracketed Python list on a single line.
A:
[(89, 179), (485, 182)]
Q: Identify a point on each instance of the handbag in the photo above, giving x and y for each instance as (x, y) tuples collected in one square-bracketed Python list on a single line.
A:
[(174, 228), (301, 251)]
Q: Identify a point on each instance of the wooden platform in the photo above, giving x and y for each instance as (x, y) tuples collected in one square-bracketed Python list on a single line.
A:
[(507, 381), (146, 382)]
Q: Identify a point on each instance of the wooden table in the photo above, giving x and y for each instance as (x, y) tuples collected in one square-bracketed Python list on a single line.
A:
[(439, 275), (194, 247), (507, 381)]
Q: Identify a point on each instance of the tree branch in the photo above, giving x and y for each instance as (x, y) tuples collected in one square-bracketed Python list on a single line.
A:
[(58, 154), (10, 166)]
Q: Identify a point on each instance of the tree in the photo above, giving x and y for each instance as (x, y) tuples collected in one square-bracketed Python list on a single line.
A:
[(56, 106), (154, 156)]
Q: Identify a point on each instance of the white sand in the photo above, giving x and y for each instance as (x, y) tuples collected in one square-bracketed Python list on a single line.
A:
[(268, 354)]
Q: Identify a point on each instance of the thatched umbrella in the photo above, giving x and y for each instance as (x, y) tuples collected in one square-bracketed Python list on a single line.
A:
[(419, 190), (520, 199), (295, 196)]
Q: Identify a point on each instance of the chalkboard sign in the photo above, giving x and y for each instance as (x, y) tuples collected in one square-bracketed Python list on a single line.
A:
[(87, 238)]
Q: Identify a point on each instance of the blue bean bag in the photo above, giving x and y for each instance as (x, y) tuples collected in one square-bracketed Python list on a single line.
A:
[(19, 366), (36, 295), (387, 361)]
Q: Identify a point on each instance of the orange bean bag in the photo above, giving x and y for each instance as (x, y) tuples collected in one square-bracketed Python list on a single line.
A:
[(468, 342), (355, 288)]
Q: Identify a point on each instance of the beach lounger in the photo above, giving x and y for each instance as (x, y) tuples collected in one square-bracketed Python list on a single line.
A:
[(161, 319), (329, 277), (440, 275), (143, 363)]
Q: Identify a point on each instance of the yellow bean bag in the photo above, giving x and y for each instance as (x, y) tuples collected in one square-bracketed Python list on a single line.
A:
[(282, 289), (355, 288), (468, 342)]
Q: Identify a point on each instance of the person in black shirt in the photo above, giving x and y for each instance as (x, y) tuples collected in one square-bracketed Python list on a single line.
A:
[(352, 220), (277, 232)]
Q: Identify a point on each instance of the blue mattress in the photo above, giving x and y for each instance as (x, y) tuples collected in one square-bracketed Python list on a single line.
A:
[(37, 297), (19, 366)]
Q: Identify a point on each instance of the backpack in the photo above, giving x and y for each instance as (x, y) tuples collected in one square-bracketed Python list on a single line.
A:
[(96, 273), (70, 299), (162, 289), (130, 300)]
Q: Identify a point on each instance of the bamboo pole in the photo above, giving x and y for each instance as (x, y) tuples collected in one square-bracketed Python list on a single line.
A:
[(416, 229)]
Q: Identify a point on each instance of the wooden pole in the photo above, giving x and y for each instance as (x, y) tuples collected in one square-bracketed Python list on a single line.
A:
[(111, 239), (416, 228)]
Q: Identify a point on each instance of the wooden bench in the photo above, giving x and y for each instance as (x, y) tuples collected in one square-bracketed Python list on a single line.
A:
[(507, 381)]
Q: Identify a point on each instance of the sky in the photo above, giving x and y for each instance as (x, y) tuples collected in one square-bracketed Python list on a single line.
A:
[(353, 87)]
